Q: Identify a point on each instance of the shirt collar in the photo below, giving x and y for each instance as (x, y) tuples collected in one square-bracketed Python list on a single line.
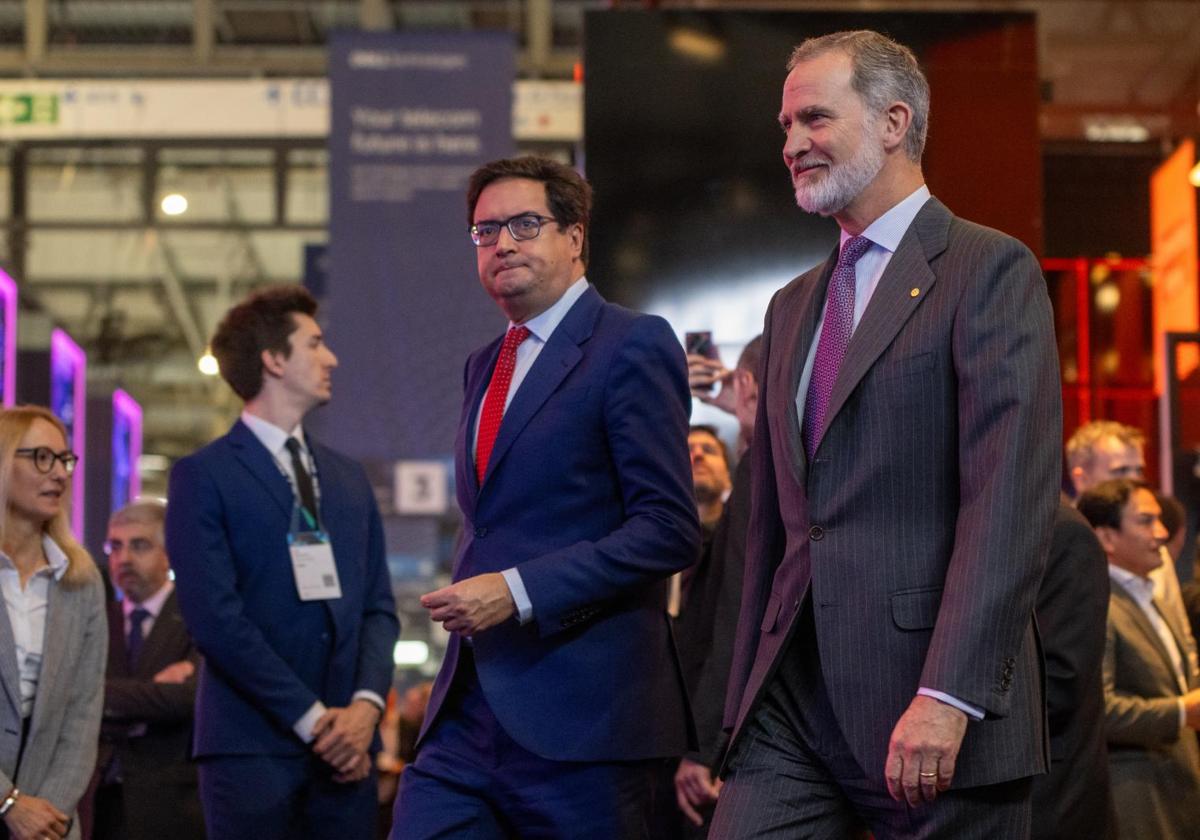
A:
[(55, 556), (270, 435), (56, 559), (153, 604), (889, 229), (541, 326), (1142, 589)]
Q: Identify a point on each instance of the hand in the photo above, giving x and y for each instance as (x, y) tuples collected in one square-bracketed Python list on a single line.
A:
[(1191, 708), (176, 673), (926, 740), (343, 734), (694, 789), (33, 818), (472, 605), (703, 373), (358, 771)]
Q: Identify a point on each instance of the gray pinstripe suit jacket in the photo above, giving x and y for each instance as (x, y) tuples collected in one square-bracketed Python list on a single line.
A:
[(922, 525), (65, 727)]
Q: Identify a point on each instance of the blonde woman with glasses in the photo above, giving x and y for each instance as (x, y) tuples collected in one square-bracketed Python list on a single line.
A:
[(53, 634)]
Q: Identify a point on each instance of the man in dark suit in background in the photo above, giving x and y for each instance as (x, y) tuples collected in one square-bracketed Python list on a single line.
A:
[(1074, 799), (560, 694), (147, 781), (708, 619), (282, 578), (906, 465)]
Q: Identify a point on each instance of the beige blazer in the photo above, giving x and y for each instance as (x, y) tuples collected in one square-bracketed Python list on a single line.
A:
[(1155, 764)]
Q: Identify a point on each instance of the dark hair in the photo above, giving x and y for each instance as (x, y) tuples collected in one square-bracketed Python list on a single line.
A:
[(711, 431), (883, 72), (751, 357), (1103, 505), (568, 195), (263, 321)]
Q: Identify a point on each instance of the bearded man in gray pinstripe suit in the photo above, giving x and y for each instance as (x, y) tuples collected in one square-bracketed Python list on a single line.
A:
[(888, 673)]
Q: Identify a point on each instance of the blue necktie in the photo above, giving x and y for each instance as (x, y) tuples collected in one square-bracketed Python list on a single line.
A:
[(133, 645), (835, 338)]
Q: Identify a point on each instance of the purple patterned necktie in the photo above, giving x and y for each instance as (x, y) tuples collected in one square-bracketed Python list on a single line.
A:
[(835, 337)]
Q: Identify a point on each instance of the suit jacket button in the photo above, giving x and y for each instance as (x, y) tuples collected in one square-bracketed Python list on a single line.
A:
[(481, 532), (816, 532)]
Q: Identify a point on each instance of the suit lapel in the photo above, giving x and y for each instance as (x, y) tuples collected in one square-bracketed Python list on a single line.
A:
[(893, 301), (60, 627), (803, 330), (10, 673), (250, 452), (117, 660), (164, 634), (1138, 617), (478, 377), (560, 355)]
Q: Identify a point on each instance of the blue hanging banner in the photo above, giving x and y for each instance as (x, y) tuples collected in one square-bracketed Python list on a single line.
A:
[(412, 114)]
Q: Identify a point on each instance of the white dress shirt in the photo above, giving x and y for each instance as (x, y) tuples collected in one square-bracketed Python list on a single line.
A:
[(1141, 589), (275, 440), (27, 608), (540, 327)]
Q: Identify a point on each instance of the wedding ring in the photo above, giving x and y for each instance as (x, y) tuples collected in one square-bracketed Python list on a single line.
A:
[(928, 775)]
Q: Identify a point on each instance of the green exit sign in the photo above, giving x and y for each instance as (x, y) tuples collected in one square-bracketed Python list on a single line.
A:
[(29, 109)]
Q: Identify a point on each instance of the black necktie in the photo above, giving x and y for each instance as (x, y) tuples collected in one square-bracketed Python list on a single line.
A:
[(133, 646), (304, 483)]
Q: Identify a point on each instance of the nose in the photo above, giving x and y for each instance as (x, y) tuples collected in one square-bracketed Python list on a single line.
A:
[(505, 243), (796, 143), (1160, 531), (333, 362)]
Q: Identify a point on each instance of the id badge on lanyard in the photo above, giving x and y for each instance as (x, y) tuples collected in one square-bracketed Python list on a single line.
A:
[(312, 559)]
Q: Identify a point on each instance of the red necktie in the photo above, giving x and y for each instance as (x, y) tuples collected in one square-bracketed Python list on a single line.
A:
[(493, 402)]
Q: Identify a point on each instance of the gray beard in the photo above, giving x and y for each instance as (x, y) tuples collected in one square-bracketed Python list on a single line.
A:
[(843, 182)]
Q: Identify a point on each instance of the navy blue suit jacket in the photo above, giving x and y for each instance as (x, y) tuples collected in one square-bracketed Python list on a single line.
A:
[(588, 495), (268, 656)]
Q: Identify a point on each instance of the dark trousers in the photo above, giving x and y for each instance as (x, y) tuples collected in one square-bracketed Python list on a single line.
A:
[(270, 797), (470, 779), (793, 776)]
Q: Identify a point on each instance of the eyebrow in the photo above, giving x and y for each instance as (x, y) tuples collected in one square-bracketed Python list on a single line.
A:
[(510, 218)]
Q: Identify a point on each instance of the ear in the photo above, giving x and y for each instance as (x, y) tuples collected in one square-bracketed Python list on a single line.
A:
[(272, 363), (1076, 480), (1107, 537), (575, 234), (897, 120)]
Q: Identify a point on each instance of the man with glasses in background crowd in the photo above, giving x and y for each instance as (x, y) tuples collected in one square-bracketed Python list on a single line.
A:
[(147, 780)]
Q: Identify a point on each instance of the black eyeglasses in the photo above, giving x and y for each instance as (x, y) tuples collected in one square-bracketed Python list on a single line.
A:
[(522, 227), (43, 458), (137, 545)]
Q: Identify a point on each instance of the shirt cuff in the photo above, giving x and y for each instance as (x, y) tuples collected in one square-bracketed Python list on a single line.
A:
[(1182, 716), (304, 726), (971, 711), (371, 697), (520, 597)]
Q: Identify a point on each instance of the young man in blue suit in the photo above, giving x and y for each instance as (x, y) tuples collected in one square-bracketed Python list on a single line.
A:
[(280, 570), (560, 694)]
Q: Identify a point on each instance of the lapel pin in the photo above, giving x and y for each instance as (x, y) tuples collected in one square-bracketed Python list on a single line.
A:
[(915, 291)]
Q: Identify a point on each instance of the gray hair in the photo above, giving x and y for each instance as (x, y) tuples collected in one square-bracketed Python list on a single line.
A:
[(150, 512), (883, 72)]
